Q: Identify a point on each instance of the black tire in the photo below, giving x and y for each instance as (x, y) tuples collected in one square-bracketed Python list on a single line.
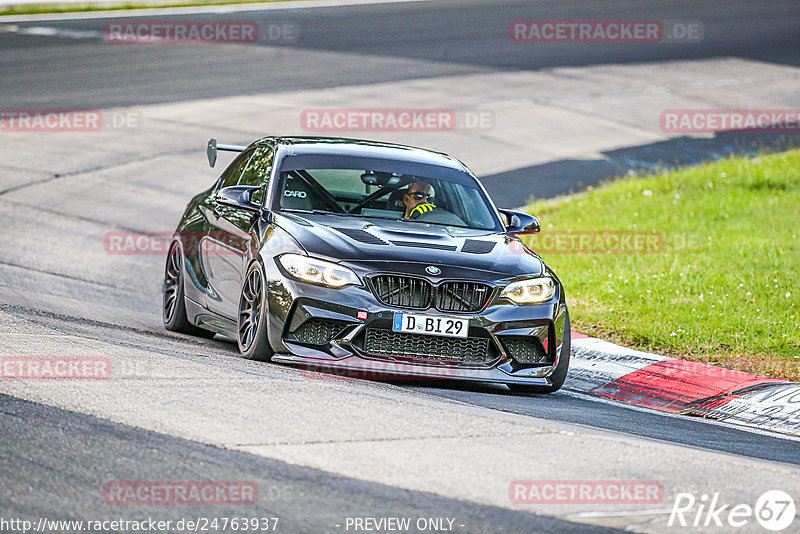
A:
[(559, 375), (251, 326), (173, 307)]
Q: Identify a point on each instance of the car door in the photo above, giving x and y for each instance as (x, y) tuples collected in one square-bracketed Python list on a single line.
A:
[(194, 233), (208, 208), (230, 238)]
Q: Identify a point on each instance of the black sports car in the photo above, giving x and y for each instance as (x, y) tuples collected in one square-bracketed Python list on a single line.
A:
[(380, 259)]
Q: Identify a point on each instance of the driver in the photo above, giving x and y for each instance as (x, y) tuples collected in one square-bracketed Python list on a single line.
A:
[(418, 199)]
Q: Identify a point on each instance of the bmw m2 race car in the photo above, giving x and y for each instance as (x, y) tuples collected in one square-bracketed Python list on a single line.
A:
[(381, 259)]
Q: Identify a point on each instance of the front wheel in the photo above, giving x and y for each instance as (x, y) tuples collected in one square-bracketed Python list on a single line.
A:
[(252, 324), (559, 375), (173, 307)]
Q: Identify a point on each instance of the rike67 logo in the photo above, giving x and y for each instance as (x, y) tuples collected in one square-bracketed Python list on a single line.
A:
[(774, 510)]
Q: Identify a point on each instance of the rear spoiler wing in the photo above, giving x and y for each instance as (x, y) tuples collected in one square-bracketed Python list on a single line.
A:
[(211, 151)]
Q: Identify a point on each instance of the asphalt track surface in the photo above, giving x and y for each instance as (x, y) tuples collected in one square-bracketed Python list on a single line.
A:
[(92, 448), (366, 44), (369, 44), (68, 456)]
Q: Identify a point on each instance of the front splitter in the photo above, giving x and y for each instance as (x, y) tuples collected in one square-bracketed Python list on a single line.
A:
[(356, 367)]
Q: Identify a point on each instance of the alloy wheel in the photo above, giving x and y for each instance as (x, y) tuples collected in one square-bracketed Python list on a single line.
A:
[(172, 279), (250, 309)]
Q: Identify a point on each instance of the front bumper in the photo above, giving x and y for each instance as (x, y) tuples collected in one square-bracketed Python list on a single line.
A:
[(338, 347)]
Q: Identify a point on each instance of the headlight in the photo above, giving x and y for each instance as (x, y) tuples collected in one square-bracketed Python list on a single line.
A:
[(530, 291), (320, 272)]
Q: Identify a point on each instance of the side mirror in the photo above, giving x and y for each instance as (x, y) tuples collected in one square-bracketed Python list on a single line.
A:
[(521, 223), (238, 196)]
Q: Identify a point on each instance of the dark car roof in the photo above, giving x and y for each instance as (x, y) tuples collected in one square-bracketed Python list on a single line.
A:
[(363, 148)]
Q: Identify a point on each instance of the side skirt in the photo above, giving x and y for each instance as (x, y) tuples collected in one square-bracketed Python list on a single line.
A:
[(202, 317)]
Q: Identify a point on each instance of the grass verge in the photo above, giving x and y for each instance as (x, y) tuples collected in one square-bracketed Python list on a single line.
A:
[(715, 275), (83, 7)]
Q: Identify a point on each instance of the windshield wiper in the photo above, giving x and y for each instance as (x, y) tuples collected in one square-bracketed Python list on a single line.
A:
[(326, 212), (318, 212)]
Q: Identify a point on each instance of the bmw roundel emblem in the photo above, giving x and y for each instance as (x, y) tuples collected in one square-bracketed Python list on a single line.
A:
[(430, 269)]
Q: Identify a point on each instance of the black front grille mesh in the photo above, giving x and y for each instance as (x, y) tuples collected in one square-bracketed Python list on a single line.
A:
[(450, 350), (402, 291), (318, 331), (409, 292), (462, 296), (525, 349)]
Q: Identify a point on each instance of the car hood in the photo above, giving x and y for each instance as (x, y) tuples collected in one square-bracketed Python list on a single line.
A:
[(381, 244)]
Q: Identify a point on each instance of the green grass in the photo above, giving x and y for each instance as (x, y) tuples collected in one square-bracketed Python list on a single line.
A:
[(725, 284), (55, 7)]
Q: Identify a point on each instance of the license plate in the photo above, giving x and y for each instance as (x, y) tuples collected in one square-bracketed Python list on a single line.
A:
[(430, 324)]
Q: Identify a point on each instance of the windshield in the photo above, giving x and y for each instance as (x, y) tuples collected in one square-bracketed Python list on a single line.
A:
[(435, 195)]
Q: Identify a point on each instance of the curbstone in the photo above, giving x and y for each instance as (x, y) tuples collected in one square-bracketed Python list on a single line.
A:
[(682, 386)]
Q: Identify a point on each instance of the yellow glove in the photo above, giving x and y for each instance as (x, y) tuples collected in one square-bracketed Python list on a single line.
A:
[(419, 210)]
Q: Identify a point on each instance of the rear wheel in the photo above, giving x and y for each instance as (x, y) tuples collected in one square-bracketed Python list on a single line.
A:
[(252, 323), (173, 307), (559, 375)]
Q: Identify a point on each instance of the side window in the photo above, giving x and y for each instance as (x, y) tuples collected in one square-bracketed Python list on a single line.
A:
[(259, 168), (234, 171), (294, 194)]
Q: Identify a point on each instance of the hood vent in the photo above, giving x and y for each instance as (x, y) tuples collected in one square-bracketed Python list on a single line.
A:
[(477, 246), (362, 236), (417, 244)]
